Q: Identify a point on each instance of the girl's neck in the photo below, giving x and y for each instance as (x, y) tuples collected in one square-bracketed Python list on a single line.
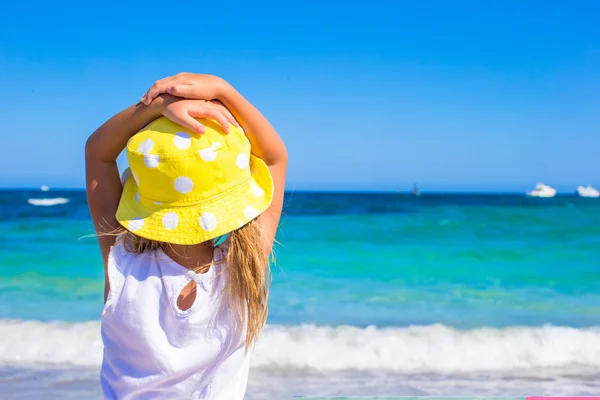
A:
[(197, 257)]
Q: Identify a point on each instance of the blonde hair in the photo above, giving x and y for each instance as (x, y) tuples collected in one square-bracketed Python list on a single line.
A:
[(248, 271)]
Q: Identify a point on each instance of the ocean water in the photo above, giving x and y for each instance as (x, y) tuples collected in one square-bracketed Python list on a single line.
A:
[(372, 295)]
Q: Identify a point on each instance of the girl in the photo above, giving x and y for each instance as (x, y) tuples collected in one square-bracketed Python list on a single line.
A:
[(195, 216)]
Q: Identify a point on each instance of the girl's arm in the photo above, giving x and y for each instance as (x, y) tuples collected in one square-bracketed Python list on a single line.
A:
[(103, 183), (265, 141), (265, 144)]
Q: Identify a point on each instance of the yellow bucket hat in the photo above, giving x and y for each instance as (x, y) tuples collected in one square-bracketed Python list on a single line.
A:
[(186, 188)]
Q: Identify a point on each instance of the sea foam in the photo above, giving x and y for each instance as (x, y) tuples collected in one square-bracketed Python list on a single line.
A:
[(433, 348), (48, 202)]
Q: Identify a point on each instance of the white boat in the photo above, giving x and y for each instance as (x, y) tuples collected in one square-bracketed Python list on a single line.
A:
[(44, 188), (587, 191), (542, 190)]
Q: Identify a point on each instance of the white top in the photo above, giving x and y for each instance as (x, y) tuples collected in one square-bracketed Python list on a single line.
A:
[(153, 349)]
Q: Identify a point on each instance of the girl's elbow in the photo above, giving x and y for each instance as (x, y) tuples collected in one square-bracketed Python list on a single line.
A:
[(279, 158), (89, 148)]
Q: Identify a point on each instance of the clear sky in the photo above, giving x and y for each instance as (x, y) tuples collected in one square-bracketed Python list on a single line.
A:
[(454, 95)]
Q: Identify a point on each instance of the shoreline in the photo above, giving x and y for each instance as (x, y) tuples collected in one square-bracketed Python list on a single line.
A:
[(77, 383)]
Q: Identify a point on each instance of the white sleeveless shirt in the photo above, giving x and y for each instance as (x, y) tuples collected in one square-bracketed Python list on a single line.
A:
[(153, 349)]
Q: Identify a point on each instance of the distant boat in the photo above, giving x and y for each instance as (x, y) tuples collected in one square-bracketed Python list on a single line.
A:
[(587, 191), (44, 188), (416, 191), (542, 190)]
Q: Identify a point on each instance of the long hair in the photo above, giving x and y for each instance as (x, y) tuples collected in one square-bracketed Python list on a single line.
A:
[(247, 269)]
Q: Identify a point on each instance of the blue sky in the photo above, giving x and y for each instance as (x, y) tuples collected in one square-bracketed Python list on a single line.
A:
[(454, 95)]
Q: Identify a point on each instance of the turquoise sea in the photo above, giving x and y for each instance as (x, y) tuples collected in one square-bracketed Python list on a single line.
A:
[(372, 294)]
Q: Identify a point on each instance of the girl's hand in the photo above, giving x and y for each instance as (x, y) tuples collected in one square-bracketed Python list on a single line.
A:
[(186, 85), (184, 112)]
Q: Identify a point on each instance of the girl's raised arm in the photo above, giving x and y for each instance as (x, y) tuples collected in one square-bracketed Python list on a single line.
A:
[(103, 183), (265, 144)]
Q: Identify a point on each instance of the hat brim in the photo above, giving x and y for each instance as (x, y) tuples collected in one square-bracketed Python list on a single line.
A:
[(197, 223)]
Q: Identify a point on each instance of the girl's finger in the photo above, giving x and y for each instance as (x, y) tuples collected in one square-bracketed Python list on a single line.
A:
[(184, 90), (157, 88), (211, 113), (187, 121), (227, 115), (220, 106)]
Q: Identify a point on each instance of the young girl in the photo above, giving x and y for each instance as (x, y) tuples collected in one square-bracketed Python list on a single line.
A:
[(185, 237)]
